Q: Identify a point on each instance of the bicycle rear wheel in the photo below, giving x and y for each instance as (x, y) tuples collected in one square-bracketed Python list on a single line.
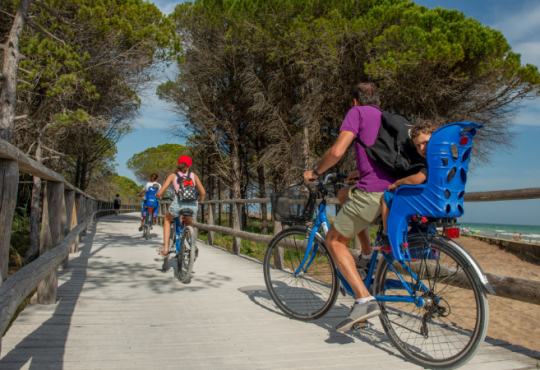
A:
[(147, 227), (187, 255), (304, 294), (172, 247), (451, 325)]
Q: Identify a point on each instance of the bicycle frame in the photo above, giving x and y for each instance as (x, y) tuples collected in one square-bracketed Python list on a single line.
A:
[(179, 230), (321, 222)]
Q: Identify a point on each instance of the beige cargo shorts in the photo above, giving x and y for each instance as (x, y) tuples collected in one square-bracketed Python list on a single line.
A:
[(360, 210)]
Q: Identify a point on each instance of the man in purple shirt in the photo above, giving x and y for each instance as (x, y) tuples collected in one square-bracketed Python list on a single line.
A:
[(364, 204)]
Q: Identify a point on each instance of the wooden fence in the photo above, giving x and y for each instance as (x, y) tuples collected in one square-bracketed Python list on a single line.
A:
[(517, 289), (67, 213)]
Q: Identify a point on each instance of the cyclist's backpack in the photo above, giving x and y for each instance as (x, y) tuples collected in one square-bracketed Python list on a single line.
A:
[(392, 149), (150, 197), (186, 189)]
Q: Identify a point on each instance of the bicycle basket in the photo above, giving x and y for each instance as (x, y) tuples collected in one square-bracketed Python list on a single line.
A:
[(294, 204)]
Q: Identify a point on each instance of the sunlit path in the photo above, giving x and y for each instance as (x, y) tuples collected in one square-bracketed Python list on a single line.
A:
[(118, 310)]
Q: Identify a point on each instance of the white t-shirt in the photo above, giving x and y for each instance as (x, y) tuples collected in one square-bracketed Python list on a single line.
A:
[(150, 184)]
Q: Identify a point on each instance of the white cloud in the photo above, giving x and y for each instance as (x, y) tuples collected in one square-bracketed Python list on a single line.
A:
[(522, 25)]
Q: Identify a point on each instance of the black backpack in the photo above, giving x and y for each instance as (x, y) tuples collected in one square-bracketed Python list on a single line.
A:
[(392, 149)]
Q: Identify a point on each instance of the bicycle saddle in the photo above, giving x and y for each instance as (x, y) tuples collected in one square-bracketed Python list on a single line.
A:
[(448, 155), (186, 212)]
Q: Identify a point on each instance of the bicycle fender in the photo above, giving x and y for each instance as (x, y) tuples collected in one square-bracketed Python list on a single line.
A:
[(465, 254)]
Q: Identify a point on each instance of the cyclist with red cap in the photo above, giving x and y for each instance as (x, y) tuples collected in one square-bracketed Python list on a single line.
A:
[(184, 182)]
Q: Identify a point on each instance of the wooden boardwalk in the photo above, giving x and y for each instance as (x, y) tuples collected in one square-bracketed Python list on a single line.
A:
[(117, 310)]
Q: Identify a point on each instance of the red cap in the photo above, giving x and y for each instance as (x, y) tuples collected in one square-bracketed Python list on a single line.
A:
[(185, 159)]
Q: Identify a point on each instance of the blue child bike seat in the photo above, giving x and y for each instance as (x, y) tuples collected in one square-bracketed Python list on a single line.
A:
[(448, 155)]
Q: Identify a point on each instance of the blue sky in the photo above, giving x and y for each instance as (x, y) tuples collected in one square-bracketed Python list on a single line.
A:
[(519, 22)]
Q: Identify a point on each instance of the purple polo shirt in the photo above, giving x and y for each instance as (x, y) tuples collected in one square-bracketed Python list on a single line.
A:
[(364, 123)]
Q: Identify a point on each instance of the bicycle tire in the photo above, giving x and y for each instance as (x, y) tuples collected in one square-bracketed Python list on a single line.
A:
[(186, 257), (172, 245), (430, 322), (312, 293), (147, 225)]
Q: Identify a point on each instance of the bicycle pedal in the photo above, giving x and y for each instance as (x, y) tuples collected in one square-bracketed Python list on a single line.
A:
[(342, 290), (362, 326)]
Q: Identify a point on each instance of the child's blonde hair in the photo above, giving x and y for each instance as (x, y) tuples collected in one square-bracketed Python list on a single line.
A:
[(423, 126)]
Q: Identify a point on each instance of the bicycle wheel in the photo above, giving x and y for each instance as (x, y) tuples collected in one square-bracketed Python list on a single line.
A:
[(172, 247), (451, 325), (146, 228), (187, 255), (304, 295)]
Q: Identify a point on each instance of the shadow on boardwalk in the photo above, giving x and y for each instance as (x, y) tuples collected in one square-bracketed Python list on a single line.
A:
[(24, 352)]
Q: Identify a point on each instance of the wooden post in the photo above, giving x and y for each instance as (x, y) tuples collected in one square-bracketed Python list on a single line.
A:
[(67, 211), (50, 237), (211, 221), (9, 182), (81, 213), (88, 212), (237, 226), (279, 260), (75, 246)]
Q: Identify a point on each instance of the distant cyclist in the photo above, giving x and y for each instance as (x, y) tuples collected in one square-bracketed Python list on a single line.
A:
[(186, 199), (150, 190), (117, 204)]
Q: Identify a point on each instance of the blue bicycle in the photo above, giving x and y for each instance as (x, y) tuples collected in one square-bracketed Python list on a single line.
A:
[(430, 289), (182, 244)]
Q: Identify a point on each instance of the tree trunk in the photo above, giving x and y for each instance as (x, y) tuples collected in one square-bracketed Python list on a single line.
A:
[(12, 57), (231, 196), (84, 169), (78, 173), (262, 194), (237, 178), (219, 204), (305, 144), (33, 251), (9, 170)]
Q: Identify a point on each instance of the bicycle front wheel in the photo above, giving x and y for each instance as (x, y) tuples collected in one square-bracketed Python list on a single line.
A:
[(186, 257), (452, 323), (304, 286)]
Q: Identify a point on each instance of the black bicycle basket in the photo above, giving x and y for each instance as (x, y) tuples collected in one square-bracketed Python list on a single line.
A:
[(294, 204)]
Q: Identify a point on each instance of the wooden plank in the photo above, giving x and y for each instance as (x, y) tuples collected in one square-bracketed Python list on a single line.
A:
[(279, 259), (211, 221), (237, 227), (29, 166), (50, 236), (9, 179), (490, 196), (67, 219)]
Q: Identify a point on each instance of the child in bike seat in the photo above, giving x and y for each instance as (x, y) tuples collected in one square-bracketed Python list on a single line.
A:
[(419, 135)]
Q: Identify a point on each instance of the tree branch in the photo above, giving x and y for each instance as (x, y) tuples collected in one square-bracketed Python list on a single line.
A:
[(46, 33)]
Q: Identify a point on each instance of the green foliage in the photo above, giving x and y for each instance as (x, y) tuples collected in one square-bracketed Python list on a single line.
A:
[(161, 160), (289, 63), (127, 188)]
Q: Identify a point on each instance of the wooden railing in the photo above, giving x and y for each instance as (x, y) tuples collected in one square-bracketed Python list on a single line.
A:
[(517, 289), (67, 213)]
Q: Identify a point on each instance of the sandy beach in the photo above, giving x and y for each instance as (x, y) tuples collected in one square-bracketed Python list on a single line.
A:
[(515, 322)]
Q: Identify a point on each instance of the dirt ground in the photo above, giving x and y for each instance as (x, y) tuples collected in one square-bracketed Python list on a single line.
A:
[(512, 321)]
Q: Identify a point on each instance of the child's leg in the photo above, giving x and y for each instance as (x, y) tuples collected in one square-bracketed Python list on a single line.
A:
[(385, 213)]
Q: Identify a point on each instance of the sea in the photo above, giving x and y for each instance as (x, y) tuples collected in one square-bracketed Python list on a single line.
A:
[(528, 232)]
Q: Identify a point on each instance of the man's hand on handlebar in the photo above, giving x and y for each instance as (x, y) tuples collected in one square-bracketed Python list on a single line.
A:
[(309, 177), (353, 176)]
